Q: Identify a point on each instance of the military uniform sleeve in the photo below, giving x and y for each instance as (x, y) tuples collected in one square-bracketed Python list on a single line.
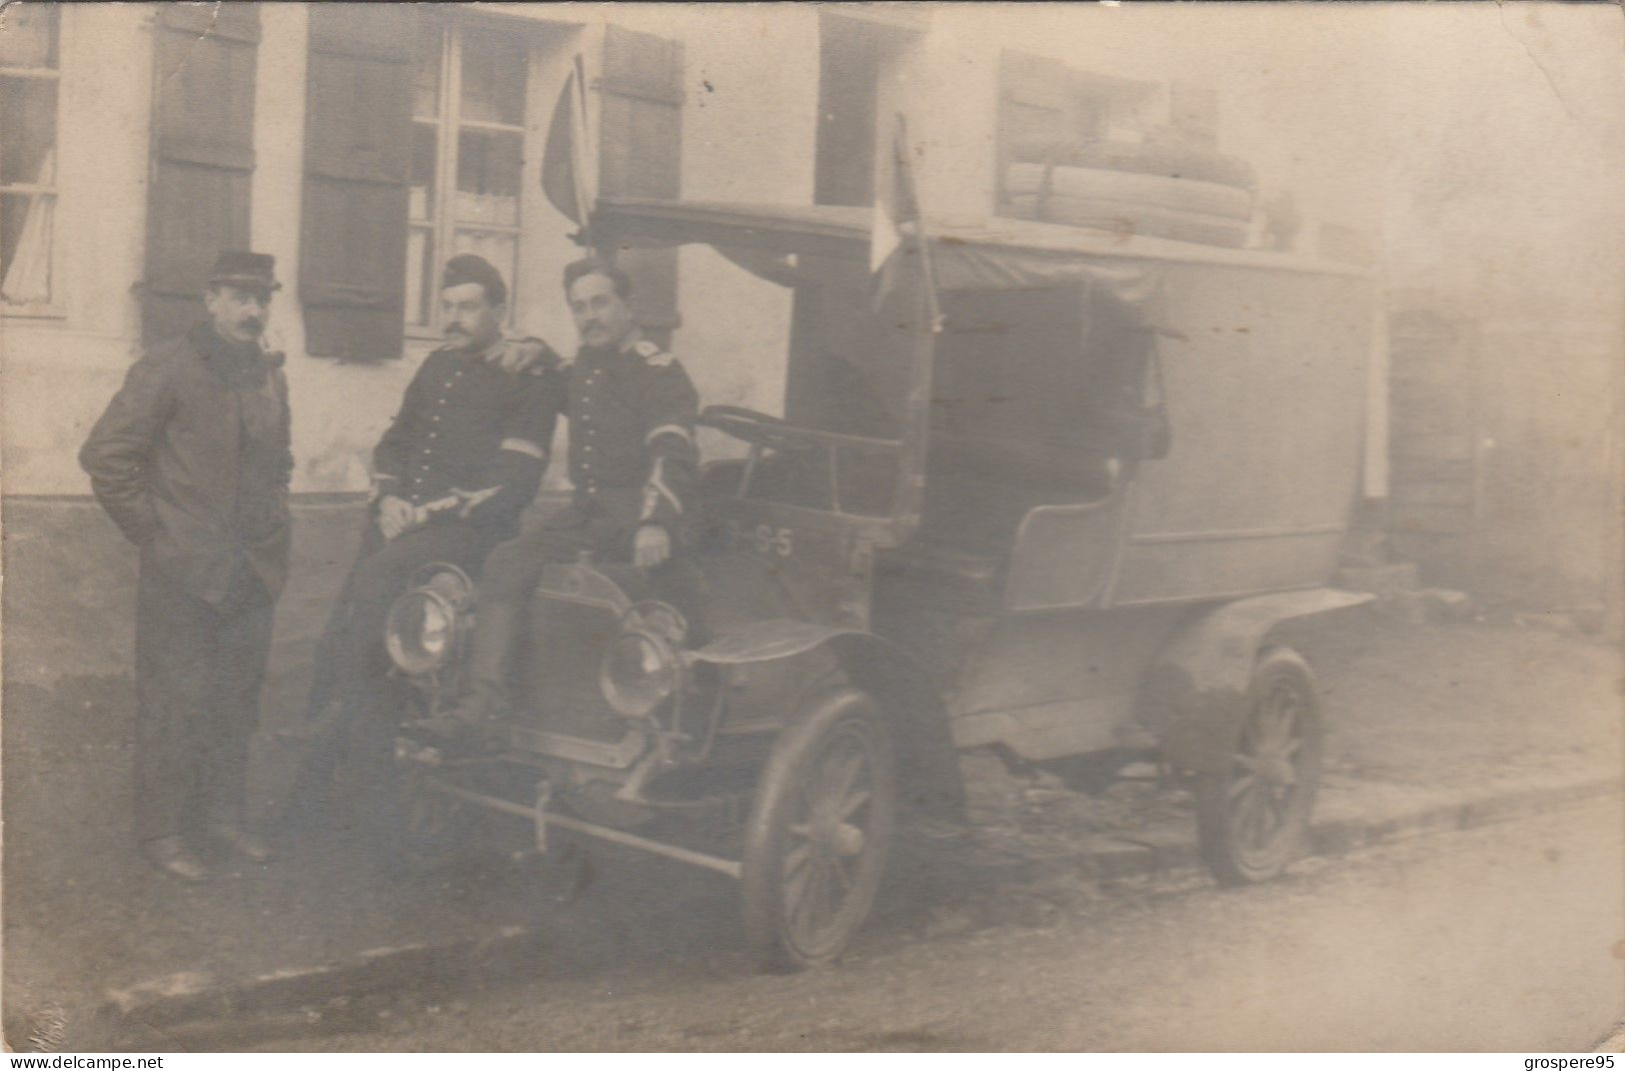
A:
[(389, 456), (119, 450), (515, 474), (670, 406)]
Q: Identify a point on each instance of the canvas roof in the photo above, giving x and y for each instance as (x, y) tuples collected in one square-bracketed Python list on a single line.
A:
[(989, 253)]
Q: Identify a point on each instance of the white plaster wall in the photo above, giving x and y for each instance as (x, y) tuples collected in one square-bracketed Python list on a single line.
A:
[(749, 129), (947, 87), (1505, 151), (57, 374)]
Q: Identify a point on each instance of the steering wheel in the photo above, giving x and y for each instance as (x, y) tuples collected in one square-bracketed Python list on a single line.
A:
[(748, 425)]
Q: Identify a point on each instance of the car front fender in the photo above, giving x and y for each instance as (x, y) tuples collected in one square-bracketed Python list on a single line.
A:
[(766, 641), (912, 705)]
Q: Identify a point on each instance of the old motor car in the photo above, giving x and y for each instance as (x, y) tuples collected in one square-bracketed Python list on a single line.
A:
[(1053, 494)]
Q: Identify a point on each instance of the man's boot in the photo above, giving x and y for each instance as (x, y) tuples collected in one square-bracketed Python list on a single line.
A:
[(240, 842), (174, 857)]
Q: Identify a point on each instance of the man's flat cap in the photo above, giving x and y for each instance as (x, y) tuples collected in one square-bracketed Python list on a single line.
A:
[(238, 267)]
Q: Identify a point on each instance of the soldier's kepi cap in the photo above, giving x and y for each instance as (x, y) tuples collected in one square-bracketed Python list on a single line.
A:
[(468, 268), (238, 267)]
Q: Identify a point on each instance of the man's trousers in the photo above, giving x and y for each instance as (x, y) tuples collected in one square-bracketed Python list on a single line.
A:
[(199, 669), (352, 662), (511, 574)]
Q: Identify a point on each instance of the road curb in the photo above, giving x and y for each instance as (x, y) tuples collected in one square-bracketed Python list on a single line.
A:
[(179, 998), (1124, 855), (164, 1007), (173, 1000)]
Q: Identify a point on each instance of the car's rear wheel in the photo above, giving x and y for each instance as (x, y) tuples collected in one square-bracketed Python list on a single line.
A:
[(820, 831), (1253, 810)]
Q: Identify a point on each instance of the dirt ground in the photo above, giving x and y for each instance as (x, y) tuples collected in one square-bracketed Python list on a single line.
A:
[(1495, 939)]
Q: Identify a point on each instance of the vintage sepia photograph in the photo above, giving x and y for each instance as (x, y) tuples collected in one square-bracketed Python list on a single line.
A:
[(846, 527)]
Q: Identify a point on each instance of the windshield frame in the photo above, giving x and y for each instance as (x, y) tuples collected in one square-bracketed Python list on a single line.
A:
[(787, 245)]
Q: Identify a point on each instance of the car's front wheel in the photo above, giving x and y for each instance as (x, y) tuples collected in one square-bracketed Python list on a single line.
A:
[(819, 832)]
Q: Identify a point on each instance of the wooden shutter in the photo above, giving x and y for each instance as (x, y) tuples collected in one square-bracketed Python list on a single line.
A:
[(641, 134), (848, 97), (358, 137), (202, 156), (1033, 109)]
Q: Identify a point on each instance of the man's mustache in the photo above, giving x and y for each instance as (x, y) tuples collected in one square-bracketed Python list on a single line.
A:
[(254, 326)]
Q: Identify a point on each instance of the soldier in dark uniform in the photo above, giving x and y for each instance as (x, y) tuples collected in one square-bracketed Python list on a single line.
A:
[(191, 460), (462, 460), (633, 464)]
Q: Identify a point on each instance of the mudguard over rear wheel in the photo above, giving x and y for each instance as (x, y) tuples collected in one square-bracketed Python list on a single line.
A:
[(819, 832), (1252, 812)]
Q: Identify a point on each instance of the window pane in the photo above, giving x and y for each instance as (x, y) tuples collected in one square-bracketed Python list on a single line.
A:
[(488, 176), (421, 182), (28, 36), (493, 78), (426, 77), (27, 130), (25, 248), (419, 277)]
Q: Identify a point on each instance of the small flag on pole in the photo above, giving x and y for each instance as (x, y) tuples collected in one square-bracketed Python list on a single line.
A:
[(897, 205), (566, 162)]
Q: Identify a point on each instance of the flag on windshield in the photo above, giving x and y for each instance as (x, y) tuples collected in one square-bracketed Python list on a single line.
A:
[(895, 204), (892, 259), (566, 163)]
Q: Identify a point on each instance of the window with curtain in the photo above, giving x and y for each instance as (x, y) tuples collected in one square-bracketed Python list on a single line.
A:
[(468, 138), (28, 130)]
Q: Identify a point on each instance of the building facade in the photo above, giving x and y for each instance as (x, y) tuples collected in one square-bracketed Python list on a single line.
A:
[(363, 145)]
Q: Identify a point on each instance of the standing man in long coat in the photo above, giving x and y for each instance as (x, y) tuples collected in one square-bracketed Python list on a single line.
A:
[(191, 460)]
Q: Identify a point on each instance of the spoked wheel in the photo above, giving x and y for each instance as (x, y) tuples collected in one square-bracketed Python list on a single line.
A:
[(1253, 813), (819, 832)]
